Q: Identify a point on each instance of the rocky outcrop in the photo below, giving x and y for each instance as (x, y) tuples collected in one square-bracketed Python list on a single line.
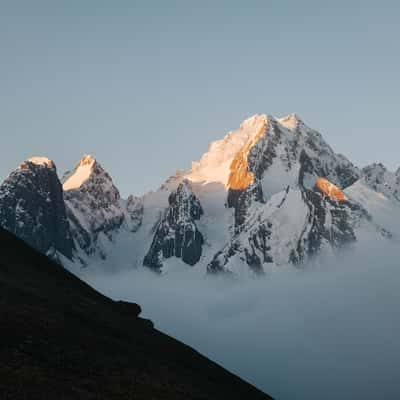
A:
[(177, 234), (380, 179), (331, 221), (32, 207), (134, 214)]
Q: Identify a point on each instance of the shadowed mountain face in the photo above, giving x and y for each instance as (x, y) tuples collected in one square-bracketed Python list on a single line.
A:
[(62, 339), (32, 206), (177, 235)]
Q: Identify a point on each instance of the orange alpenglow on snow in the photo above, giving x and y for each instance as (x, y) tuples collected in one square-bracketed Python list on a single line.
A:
[(81, 174), (43, 161), (240, 177), (329, 189)]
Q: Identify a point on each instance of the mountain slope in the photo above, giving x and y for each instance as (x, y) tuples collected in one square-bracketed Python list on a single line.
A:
[(62, 339), (378, 192)]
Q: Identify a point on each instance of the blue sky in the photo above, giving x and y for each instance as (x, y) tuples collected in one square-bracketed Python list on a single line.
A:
[(146, 85)]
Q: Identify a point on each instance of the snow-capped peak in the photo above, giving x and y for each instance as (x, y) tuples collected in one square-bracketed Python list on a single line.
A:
[(81, 173), (275, 144), (87, 159), (290, 122), (214, 165), (32, 207), (94, 207), (44, 161)]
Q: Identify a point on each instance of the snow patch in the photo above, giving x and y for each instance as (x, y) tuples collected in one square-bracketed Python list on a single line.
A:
[(82, 173), (290, 121), (41, 161)]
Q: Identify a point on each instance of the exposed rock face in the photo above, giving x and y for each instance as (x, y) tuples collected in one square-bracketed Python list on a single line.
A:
[(32, 207), (291, 227), (134, 208), (177, 234), (378, 178), (378, 192), (93, 206), (331, 222), (241, 199)]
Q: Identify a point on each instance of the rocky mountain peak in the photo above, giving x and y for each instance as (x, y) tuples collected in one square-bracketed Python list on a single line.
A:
[(215, 164), (283, 151), (291, 121), (87, 159), (32, 207), (39, 161), (93, 204), (82, 172), (90, 176)]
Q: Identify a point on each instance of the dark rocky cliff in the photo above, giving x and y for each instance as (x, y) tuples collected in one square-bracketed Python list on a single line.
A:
[(177, 234), (32, 207)]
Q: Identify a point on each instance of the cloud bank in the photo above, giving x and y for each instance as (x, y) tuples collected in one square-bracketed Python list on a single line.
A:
[(331, 331)]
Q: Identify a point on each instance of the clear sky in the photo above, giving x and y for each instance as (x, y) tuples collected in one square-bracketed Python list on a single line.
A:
[(146, 85)]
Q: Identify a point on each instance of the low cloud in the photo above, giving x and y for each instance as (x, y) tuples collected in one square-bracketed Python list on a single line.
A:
[(331, 331)]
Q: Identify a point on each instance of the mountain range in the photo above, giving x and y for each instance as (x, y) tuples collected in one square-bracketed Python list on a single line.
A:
[(269, 194)]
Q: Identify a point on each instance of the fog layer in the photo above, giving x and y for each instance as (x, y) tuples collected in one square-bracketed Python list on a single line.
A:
[(326, 332)]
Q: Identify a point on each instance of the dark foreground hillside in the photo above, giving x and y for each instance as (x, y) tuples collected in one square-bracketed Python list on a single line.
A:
[(60, 339)]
